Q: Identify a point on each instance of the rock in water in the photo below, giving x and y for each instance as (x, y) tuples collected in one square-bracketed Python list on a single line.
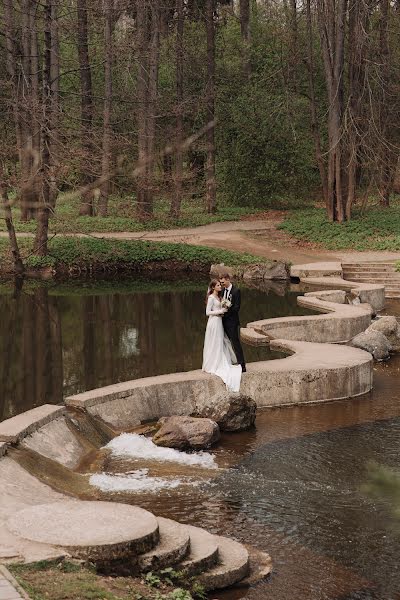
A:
[(186, 433), (390, 328), (232, 413), (374, 342)]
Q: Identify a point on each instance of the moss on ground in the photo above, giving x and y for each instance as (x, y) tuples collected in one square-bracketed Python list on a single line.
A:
[(377, 229), (68, 580)]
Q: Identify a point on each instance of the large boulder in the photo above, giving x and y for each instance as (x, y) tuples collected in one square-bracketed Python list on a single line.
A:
[(186, 433), (232, 413), (390, 328), (267, 270), (264, 271), (373, 342)]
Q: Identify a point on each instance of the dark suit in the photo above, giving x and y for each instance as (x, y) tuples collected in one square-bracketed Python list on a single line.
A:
[(231, 323)]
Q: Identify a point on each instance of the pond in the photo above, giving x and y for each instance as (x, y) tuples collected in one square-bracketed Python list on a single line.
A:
[(57, 340), (292, 486)]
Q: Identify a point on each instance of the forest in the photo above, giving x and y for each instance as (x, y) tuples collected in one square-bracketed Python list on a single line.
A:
[(114, 107)]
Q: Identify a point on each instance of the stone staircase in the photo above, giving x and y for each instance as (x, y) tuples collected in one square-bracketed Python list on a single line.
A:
[(121, 538), (375, 272)]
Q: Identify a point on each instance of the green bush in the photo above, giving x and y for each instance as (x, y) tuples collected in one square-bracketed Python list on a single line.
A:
[(90, 251)]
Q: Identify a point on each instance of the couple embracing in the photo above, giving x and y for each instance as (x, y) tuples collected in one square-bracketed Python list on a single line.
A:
[(222, 353)]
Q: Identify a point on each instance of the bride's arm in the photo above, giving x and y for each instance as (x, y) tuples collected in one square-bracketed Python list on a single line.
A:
[(209, 310)]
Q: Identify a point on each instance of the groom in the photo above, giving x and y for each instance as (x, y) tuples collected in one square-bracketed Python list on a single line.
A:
[(230, 319)]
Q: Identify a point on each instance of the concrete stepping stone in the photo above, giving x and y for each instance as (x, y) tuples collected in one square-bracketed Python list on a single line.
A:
[(203, 552), (233, 565), (96, 531), (172, 548), (260, 566)]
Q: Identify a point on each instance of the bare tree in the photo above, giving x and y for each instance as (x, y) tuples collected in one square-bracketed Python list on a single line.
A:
[(107, 107), (85, 74), (310, 62), (211, 187), (178, 175), (44, 204), (148, 51), (18, 264)]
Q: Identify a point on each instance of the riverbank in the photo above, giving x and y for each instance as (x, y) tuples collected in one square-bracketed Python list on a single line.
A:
[(76, 256)]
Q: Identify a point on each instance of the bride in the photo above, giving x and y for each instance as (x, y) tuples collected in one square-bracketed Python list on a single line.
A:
[(218, 354)]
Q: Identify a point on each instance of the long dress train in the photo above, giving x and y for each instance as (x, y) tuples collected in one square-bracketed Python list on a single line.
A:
[(218, 354)]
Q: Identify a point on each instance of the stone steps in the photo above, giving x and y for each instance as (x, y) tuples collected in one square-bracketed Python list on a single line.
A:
[(173, 546), (374, 272), (119, 537), (233, 565), (203, 553)]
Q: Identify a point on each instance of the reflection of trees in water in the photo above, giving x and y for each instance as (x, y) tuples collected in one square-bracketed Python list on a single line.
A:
[(31, 371)]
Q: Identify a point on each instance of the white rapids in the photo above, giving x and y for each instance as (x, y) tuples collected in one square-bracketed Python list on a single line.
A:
[(132, 445), (136, 481)]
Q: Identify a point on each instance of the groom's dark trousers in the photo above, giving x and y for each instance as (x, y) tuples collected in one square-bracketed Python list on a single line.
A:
[(231, 324)]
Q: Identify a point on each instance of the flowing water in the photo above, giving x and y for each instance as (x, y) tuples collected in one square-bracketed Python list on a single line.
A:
[(294, 486)]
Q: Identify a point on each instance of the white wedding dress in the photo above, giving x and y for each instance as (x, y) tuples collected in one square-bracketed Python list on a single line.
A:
[(218, 354)]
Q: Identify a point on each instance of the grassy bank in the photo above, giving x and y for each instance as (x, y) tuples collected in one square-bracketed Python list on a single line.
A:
[(377, 229), (70, 581), (122, 217), (68, 254)]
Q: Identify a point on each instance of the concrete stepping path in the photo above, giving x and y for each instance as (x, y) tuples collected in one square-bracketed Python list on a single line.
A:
[(203, 551), (233, 565), (89, 530), (173, 546)]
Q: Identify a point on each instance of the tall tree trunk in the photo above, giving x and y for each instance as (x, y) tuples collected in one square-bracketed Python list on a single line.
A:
[(245, 31), (293, 46), (211, 188), (313, 106), (387, 160), (41, 237), (154, 60), (142, 21), (55, 101), (25, 85), (107, 131), (11, 64), (85, 75), (18, 264), (178, 175), (332, 22)]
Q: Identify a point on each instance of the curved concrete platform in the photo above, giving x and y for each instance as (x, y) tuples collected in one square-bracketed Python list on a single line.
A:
[(330, 274), (339, 323), (90, 530), (314, 372)]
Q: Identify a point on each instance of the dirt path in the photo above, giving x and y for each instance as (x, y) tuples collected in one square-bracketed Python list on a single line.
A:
[(258, 236)]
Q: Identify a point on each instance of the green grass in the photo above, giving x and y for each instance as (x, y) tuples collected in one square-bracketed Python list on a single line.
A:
[(95, 252), (377, 229), (122, 217), (66, 580)]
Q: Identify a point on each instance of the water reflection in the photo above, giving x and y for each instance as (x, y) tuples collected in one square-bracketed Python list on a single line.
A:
[(60, 340)]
